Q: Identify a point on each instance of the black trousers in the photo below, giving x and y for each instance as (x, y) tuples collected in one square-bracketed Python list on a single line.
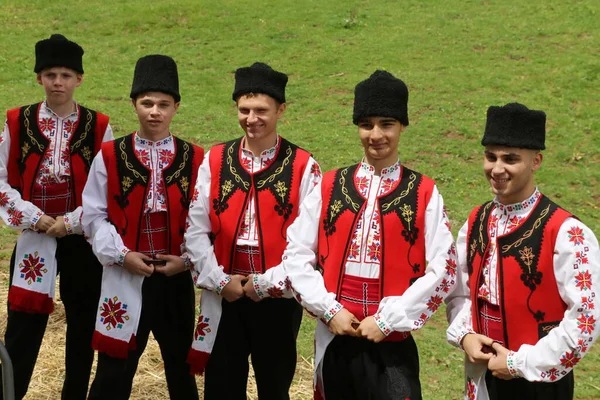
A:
[(168, 312), (520, 389), (355, 368), (266, 331), (80, 279)]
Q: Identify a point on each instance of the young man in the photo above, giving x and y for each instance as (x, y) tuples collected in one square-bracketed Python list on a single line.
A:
[(525, 310), (379, 234), (136, 204), (46, 150), (248, 193)]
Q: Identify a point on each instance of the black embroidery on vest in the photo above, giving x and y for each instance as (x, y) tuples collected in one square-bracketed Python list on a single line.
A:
[(525, 243), (31, 139), (478, 239), (403, 202), (83, 141)]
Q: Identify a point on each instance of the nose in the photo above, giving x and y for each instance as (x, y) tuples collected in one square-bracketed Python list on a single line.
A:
[(376, 133), (498, 168), (252, 117), (154, 109)]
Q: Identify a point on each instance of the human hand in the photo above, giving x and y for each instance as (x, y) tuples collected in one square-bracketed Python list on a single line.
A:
[(134, 263), (233, 290), (477, 347), (174, 265), (341, 323), (498, 364), (44, 223), (369, 330), (249, 290), (58, 229)]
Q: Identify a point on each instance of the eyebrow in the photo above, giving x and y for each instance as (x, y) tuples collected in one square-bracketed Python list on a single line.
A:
[(502, 155)]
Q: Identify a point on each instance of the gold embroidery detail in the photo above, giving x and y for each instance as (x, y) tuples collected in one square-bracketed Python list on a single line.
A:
[(473, 249), (177, 173), (87, 153), (335, 209), (281, 189), (226, 189), (347, 197), (407, 213), (403, 194), (279, 169), (481, 227), (526, 235), (129, 165), (25, 150), (88, 127), (184, 183), (40, 147), (527, 256), (126, 183), (233, 170)]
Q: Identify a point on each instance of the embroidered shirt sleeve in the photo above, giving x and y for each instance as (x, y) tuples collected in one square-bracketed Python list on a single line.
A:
[(207, 272), (106, 243), (15, 212), (577, 272), (73, 221), (418, 303), (458, 302)]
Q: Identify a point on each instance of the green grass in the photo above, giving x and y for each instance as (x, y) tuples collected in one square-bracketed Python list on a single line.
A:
[(456, 57)]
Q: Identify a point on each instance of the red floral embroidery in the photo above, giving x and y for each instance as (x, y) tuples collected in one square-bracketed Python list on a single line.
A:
[(434, 303), (552, 373), (32, 268), (586, 323), (15, 217), (315, 170), (569, 360), (587, 303), (582, 346), (444, 286), (374, 251), (275, 292), (195, 195), (69, 126), (362, 183), (471, 389), (3, 199), (581, 257), (583, 280), (47, 124), (143, 156), (451, 267), (165, 156), (112, 313), (353, 251), (386, 184), (202, 328), (576, 235)]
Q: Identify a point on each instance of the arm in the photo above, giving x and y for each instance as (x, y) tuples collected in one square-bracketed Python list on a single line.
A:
[(577, 271), (102, 235), (207, 272), (15, 212), (273, 280), (418, 303)]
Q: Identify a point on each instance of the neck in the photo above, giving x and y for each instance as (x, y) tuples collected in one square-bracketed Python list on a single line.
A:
[(153, 136), (379, 165), (62, 110), (257, 146)]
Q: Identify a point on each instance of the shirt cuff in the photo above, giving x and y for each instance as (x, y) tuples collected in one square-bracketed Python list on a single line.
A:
[(121, 257), (383, 325), (73, 223), (35, 217), (511, 364), (333, 309), (187, 262), (461, 336), (222, 282)]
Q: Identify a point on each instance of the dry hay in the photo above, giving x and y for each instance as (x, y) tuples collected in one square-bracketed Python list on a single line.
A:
[(149, 382)]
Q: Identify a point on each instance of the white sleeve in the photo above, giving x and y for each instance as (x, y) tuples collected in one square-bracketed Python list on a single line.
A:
[(417, 304), (458, 302), (577, 272), (272, 281), (207, 272), (108, 134), (107, 244), (15, 212)]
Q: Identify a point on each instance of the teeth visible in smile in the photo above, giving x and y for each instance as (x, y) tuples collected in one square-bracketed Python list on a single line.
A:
[(501, 180)]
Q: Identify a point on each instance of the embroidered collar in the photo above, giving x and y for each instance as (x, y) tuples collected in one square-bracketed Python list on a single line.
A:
[(524, 205), (49, 110), (391, 172), (266, 155), (149, 144)]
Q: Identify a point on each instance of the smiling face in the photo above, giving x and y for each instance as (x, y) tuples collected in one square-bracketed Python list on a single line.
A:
[(380, 137), (155, 110), (509, 170), (258, 115), (59, 84)]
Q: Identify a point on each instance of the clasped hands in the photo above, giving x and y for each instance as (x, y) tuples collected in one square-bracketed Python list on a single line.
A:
[(238, 287), (482, 349), (54, 227), (345, 323)]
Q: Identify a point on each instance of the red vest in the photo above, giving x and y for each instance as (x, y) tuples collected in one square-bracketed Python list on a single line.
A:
[(276, 193), (529, 299), (402, 226), (28, 146), (129, 182)]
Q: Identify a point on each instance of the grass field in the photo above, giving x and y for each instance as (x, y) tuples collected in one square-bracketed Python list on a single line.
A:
[(456, 57)]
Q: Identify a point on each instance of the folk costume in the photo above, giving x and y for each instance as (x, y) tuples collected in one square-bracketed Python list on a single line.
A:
[(378, 245), (44, 164), (527, 280), (137, 200), (243, 205)]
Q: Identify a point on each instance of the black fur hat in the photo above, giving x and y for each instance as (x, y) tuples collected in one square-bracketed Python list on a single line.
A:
[(515, 125), (156, 73), (382, 95), (58, 51), (260, 78)]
